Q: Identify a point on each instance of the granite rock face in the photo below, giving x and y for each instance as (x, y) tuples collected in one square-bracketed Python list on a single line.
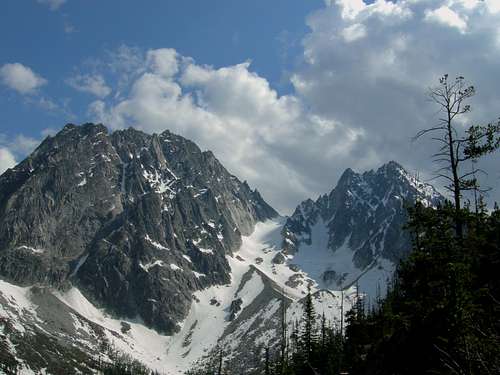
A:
[(362, 218), (138, 222)]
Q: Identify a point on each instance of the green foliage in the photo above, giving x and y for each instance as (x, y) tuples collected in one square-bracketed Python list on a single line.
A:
[(482, 140), (442, 314), (315, 347), (308, 337)]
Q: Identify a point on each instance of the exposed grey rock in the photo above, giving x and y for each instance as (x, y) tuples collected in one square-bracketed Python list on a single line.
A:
[(294, 280), (365, 213), (141, 222), (48, 340), (125, 327), (330, 275), (128, 217), (250, 327), (235, 308), (279, 258), (294, 267)]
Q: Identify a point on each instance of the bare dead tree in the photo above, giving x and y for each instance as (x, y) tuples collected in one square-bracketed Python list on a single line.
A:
[(457, 147)]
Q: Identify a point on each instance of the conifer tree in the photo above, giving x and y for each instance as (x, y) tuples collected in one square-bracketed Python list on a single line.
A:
[(284, 337), (220, 362), (323, 332), (267, 362), (308, 336)]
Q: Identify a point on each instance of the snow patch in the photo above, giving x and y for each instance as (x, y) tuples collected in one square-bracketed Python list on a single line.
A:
[(206, 251), (83, 182), (175, 267), (32, 249), (146, 267), (155, 244)]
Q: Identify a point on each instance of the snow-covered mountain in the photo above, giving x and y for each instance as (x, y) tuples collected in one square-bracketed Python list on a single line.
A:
[(241, 317), (354, 234), (146, 245), (139, 242), (128, 217)]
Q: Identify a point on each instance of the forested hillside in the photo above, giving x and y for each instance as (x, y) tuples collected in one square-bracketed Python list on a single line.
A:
[(441, 315)]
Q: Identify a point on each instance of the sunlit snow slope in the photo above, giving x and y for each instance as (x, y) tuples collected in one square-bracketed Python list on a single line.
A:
[(238, 316)]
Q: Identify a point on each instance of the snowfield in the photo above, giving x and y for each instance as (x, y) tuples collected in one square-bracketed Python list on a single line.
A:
[(316, 259), (256, 281)]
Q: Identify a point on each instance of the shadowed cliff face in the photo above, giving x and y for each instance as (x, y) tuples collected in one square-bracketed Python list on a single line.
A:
[(137, 221)]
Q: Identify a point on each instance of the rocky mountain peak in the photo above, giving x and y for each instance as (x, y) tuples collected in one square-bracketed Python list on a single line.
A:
[(360, 223), (392, 166), (347, 177), (127, 216)]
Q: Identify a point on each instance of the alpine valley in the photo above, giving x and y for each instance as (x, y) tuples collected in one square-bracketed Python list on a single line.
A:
[(145, 245)]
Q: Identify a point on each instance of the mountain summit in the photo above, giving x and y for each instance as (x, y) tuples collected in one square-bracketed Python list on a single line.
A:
[(128, 217), (355, 233)]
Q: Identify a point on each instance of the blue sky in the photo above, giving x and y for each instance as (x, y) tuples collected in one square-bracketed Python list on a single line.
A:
[(288, 94), (55, 43)]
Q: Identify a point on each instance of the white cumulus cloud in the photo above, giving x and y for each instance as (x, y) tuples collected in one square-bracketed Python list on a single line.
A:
[(15, 148), (446, 16), (379, 84), (359, 95), (21, 78), (90, 83), (259, 135), (354, 32), (163, 61), (7, 159)]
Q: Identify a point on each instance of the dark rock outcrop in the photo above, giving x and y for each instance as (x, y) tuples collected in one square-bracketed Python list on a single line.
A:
[(365, 213), (137, 221)]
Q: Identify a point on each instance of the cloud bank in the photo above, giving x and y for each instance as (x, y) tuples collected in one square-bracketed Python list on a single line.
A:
[(379, 80), (13, 150), (357, 98), (270, 140)]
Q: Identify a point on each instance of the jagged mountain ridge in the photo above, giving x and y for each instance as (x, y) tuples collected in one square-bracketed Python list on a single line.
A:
[(128, 217), (358, 226), (161, 235)]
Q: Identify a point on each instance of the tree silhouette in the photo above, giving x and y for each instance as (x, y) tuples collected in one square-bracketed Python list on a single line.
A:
[(457, 147)]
